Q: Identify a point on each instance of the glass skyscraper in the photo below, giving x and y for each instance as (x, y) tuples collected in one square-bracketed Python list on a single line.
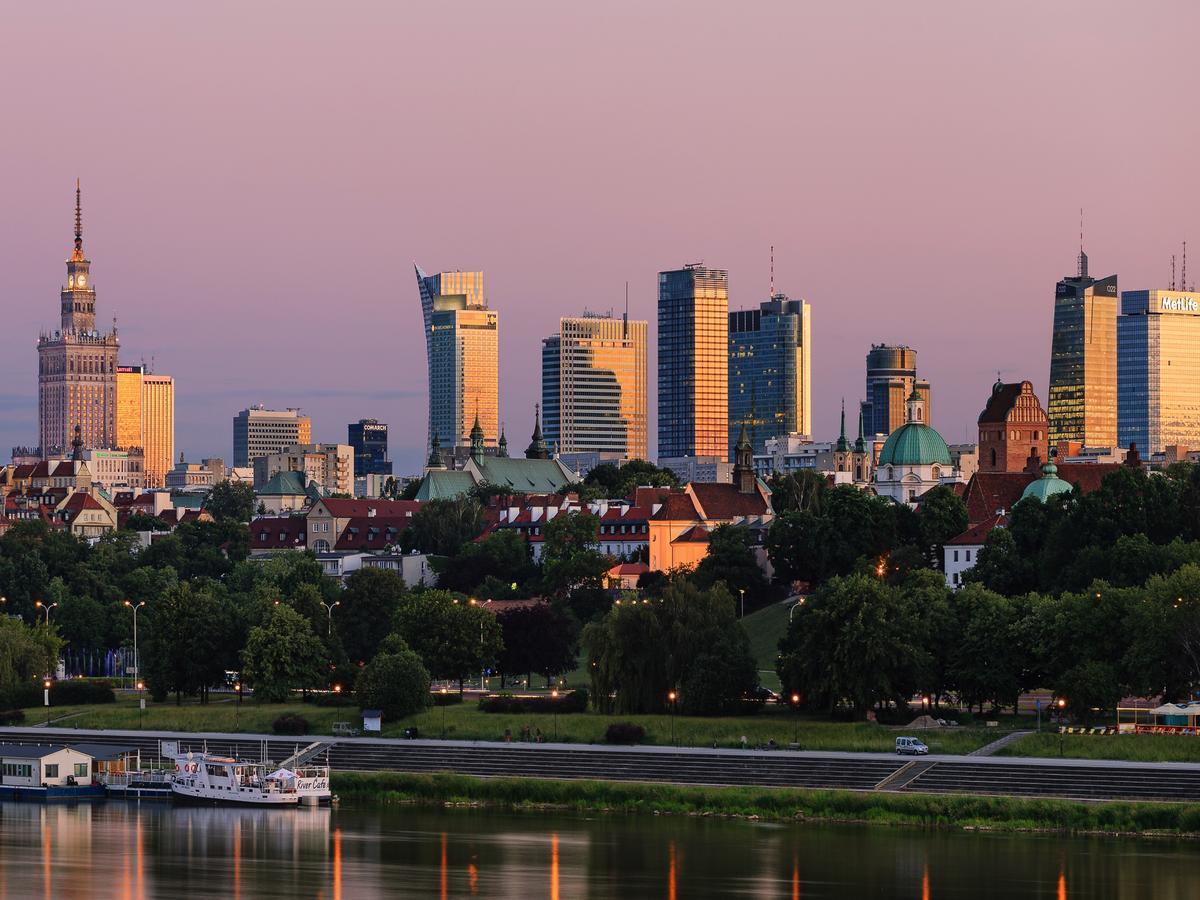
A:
[(891, 379), (594, 386), (461, 344), (1158, 370), (369, 439), (693, 363), (1082, 404), (770, 363)]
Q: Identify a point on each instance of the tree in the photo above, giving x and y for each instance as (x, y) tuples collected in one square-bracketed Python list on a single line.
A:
[(987, 662), (455, 639), (503, 557), (395, 681), (368, 605), (572, 568), (537, 638), (442, 526), (142, 522), (1087, 686), (942, 515), (811, 546), (282, 655), (231, 501), (26, 652), (731, 561), (799, 491), (609, 481), (187, 641), (852, 643)]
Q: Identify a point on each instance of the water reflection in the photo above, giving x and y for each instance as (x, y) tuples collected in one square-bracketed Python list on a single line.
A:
[(159, 851)]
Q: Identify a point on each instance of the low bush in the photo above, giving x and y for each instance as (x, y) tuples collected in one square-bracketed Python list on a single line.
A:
[(290, 723), (12, 717), (624, 733), (77, 692), (573, 702), (450, 698), (21, 695)]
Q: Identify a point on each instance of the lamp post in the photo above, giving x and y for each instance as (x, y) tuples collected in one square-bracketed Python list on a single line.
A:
[(795, 606), (237, 713), (137, 669), (141, 706), (742, 593), (329, 615), (46, 699), (45, 609), (554, 706), (1060, 704), (672, 697), (443, 714), (796, 721)]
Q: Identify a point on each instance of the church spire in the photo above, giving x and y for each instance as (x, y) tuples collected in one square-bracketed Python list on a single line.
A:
[(843, 444), (78, 254), (860, 442), (537, 446)]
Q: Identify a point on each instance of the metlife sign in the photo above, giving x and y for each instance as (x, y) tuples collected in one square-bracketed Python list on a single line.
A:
[(1179, 304)]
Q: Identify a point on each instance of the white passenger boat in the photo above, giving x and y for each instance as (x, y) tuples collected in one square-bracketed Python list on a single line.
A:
[(209, 778)]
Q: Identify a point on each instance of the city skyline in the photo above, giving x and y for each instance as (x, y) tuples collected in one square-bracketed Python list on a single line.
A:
[(187, 235)]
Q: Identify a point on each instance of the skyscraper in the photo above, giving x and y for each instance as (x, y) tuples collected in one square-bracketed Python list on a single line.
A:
[(693, 363), (258, 431), (462, 355), (146, 419), (1082, 403), (369, 438), (594, 386), (891, 378), (770, 371), (77, 364), (1158, 370)]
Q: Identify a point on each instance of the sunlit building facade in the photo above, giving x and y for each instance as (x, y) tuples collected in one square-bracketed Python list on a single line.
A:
[(129, 406), (1082, 402), (693, 363), (1158, 370), (158, 428), (464, 372), (770, 371), (594, 386), (891, 379), (258, 431)]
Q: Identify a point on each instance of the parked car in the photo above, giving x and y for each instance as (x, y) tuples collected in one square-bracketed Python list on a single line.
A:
[(911, 746)]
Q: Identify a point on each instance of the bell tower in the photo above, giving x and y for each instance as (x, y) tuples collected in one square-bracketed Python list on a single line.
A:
[(78, 297)]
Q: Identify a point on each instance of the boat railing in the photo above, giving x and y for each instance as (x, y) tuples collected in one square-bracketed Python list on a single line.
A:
[(126, 779)]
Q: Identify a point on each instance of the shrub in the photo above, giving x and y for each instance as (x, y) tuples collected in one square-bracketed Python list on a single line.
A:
[(290, 723), (450, 698), (12, 717), (22, 695), (573, 702), (73, 692), (624, 733), (396, 683)]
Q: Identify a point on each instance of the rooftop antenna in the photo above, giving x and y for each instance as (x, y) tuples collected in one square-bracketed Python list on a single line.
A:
[(772, 295), (1172, 271), (1183, 270), (625, 318), (1083, 260)]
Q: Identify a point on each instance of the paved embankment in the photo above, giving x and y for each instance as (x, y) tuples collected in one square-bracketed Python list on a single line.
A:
[(1081, 779)]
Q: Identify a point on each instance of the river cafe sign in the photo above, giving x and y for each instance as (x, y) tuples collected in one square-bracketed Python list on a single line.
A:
[(1179, 304)]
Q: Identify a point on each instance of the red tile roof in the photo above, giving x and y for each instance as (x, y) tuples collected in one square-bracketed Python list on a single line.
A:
[(977, 534), (278, 532), (1000, 403), (648, 496), (371, 532), (677, 507), (343, 508), (724, 501), (697, 534), (988, 492), (628, 570)]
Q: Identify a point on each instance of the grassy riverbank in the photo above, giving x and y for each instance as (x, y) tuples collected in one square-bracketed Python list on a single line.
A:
[(776, 804), (1147, 748), (465, 722)]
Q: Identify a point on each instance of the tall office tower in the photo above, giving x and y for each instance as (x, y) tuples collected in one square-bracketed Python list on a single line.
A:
[(693, 363), (129, 406), (158, 427), (1158, 370), (594, 386), (770, 371), (1082, 403), (464, 367), (369, 438), (448, 286), (77, 364), (258, 431), (891, 378)]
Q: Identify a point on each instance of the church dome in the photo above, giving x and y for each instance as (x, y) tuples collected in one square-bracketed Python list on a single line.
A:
[(914, 444), (1048, 485)]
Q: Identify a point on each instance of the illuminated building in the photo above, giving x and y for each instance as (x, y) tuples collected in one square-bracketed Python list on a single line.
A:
[(77, 364), (770, 371), (693, 364), (1158, 370), (146, 419), (1082, 404), (369, 438), (594, 386), (891, 378)]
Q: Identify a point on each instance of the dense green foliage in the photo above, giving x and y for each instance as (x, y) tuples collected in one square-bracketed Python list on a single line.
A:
[(456, 640), (282, 655), (395, 681)]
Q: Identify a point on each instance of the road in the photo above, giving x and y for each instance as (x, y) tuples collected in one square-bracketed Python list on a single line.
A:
[(936, 774)]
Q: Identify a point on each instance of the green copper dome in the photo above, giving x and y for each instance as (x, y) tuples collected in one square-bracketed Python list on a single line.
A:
[(914, 444), (1048, 485)]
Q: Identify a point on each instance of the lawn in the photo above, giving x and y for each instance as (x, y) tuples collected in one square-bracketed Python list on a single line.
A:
[(1135, 748), (465, 722), (765, 628)]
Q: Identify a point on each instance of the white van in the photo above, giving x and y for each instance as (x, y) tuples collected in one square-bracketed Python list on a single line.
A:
[(911, 746)]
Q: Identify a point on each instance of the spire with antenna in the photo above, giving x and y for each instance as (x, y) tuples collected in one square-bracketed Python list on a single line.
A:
[(78, 215), (771, 296), (1083, 260), (1183, 285), (1172, 272)]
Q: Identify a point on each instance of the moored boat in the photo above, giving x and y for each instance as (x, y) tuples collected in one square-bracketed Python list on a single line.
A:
[(210, 778)]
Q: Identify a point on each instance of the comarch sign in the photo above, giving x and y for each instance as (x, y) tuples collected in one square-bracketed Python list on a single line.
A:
[(1179, 304)]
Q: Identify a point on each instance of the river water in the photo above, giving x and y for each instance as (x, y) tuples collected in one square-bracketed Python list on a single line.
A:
[(157, 850)]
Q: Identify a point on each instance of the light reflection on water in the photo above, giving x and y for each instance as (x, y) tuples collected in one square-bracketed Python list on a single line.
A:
[(156, 850)]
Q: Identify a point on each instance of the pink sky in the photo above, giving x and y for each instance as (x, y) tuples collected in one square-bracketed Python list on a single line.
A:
[(259, 178)]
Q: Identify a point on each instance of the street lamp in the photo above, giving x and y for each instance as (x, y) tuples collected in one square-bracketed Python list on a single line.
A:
[(1061, 703), (796, 720), (443, 714), (792, 611), (742, 592), (46, 699), (329, 610), (554, 706), (672, 697), (137, 669), (237, 714), (46, 609)]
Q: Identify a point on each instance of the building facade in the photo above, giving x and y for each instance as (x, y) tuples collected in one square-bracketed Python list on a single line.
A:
[(914, 458), (369, 439), (129, 406), (462, 355), (594, 386), (77, 364), (1158, 370), (770, 371), (331, 466), (693, 363), (891, 378), (1012, 428), (116, 470), (1082, 403), (146, 419), (258, 431)]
